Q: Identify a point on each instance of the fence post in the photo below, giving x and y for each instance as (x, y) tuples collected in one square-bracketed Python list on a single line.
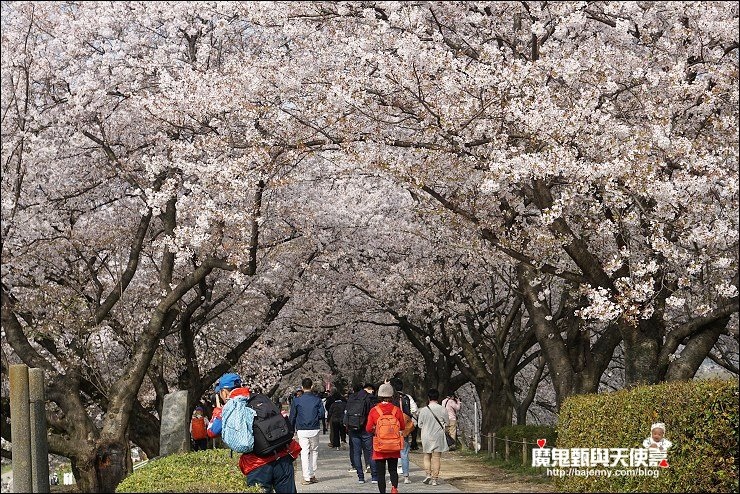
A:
[(524, 451), (20, 428), (39, 440), (475, 428), (506, 448), (489, 438)]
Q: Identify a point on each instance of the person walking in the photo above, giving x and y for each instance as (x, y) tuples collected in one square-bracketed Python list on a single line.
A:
[(337, 434), (199, 429), (452, 405), (323, 395), (273, 472), (355, 418), (408, 406), (305, 417), (432, 422), (385, 421)]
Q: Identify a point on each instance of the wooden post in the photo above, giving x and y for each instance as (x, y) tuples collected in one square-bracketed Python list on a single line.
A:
[(20, 428), (39, 441), (506, 448), (524, 451), (489, 437), (494, 445)]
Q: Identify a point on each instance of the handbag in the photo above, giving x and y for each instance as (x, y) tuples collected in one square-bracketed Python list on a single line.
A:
[(450, 440), (409, 426)]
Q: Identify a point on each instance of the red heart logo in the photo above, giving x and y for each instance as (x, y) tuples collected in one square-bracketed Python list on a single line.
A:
[(541, 442), (663, 463)]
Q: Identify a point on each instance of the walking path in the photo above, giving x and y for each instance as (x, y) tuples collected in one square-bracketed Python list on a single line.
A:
[(333, 475)]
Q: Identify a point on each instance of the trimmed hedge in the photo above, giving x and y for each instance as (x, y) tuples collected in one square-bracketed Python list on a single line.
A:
[(520, 432), (701, 420), (212, 470)]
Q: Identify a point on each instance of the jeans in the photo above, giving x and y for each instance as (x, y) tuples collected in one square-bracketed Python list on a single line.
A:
[(405, 456), (351, 450), (392, 471), (277, 476), (362, 444)]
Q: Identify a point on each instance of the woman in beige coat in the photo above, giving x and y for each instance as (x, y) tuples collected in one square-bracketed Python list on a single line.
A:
[(433, 422)]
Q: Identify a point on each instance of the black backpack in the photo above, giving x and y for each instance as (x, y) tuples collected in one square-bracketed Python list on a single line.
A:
[(356, 412), (405, 404), (336, 411), (271, 430)]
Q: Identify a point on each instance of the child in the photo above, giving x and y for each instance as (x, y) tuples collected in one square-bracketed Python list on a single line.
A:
[(198, 427), (656, 439)]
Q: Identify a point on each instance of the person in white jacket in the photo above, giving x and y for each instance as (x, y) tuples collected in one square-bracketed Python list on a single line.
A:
[(432, 421)]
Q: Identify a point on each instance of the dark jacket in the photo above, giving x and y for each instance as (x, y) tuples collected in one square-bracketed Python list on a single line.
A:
[(306, 412), (336, 410)]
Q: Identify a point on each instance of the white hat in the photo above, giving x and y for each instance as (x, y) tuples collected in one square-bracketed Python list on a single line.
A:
[(385, 391), (657, 425)]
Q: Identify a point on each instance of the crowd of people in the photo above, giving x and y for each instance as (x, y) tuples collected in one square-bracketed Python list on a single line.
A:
[(378, 426)]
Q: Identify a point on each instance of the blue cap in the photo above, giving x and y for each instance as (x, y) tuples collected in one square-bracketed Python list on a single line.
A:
[(229, 380)]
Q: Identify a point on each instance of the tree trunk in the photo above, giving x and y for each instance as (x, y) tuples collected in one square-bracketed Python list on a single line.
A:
[(496, 411), (103, 467), (695, 351), (641, 349)]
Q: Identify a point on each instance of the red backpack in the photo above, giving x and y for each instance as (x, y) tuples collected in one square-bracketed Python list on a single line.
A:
[(199, 428), (388, 437)]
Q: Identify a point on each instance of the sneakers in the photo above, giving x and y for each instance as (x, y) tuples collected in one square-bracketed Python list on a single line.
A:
[(426, 480), (394, 490), (305, 482), (314, 480), (374, 481), (351, 469), (406, 480), (367, 468), (361, 481), (434, 482)]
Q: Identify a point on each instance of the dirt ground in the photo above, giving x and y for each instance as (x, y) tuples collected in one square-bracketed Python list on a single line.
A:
[(471, 474)]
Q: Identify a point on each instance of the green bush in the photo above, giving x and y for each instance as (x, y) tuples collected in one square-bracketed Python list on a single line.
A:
[(701, 420), (519, 433), (212, 470)]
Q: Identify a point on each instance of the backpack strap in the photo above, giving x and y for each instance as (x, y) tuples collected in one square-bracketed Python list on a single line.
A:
[(380, 410)]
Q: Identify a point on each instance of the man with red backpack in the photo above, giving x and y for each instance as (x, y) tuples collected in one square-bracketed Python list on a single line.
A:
[(386, 422), (198, 427), (271, 472)]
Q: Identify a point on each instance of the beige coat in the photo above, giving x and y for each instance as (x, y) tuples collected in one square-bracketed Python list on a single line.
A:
[(432, 435)]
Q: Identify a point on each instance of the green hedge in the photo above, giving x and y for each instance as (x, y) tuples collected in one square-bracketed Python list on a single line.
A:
[(701, 420), (212, 470), (519, 433)]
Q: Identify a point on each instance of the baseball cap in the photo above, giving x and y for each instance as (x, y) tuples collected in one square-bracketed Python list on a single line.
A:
[(228, 380)]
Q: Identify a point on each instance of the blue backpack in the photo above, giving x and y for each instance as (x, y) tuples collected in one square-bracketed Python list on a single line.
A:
[(237, 419)]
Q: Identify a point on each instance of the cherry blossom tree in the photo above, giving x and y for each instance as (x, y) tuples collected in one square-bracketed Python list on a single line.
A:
[(132, 177), (595, 143), (165, 169)]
